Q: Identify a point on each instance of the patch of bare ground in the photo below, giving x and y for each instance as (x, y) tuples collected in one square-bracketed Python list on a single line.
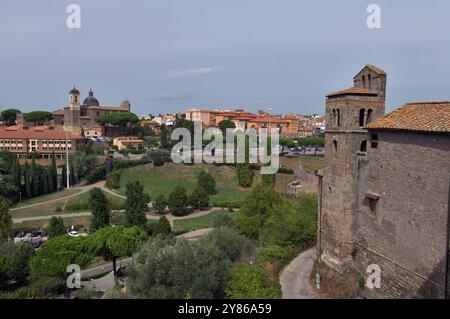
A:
[(335, 285)]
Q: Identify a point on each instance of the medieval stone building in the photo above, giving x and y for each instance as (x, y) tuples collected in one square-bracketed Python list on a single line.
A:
[(385, 189), (82, 115)]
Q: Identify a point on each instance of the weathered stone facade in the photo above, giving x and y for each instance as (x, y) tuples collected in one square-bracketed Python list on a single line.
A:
[(385, 198)]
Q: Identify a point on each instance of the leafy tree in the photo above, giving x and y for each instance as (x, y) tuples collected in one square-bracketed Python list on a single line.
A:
[(5, 220), (223, 125), (82, 163), (252, 282), (162, 227), (52, 259), (19, 262), (207, 182), (223, 220), (4, 269), (38, 117), (160, 204), (184, 270), (244, 175), (234, 246), (9, 116), (115, 242), (136, 205), (165, 137), (178, 201), (257, 207), (199, 198), (56, 227), (287, 142), (100, 209)]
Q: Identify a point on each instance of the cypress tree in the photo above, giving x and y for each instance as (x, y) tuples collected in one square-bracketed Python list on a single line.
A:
[(45, 179), (72, 179), (54, 172), (64, 177), (34, 178), (15, 172), (51, 186), (27, 178)]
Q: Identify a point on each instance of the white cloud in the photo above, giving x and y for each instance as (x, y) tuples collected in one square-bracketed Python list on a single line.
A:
[(190, 72)]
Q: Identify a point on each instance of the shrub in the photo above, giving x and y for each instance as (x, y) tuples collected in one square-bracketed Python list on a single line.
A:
[(129, 163), (223, 220), (162, 227), (244, 175), (96, 175), (113, 180), (285, 170), (206, 181), (158, 161), (160, 204), (199, 198), (178, 201)]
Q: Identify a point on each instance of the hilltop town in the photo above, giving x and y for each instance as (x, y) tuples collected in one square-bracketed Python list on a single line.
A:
[(359, 202)]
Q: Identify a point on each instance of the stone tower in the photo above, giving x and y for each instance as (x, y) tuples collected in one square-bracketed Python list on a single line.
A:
[(74, 111), (347, 114)]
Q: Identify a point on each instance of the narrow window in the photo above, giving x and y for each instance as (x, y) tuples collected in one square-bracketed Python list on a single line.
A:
[(361, 117), (335, 145), (374, 140), (364, 81), (363, 147), (334, 117), (369, 116), (338, 117), (370, 80)]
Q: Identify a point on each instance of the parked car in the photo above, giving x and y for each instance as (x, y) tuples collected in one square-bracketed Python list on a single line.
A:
[(74, 233)]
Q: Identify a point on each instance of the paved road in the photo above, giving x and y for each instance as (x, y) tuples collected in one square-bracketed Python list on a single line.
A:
[(295, 277)]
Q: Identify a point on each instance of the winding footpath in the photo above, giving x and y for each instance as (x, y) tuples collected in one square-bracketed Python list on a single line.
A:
[(294, 279)]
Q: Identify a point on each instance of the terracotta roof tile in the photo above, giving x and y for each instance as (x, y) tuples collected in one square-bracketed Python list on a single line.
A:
[(422, 117), (354, 90), (37, 132)]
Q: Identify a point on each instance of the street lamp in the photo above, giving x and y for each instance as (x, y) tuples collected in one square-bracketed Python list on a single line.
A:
[(66, 129)]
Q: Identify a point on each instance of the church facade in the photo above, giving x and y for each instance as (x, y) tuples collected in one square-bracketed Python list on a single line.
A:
[(385, 189), (82, 115)]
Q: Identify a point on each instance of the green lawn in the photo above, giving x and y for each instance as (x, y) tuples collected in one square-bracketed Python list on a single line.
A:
[(161, 180), (82, 202), (203, 221)]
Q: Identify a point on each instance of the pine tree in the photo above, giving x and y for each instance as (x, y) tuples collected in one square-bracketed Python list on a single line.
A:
[(100, 209)]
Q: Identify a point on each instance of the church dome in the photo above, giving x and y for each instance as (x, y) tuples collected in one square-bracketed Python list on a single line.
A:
[(91, 100)]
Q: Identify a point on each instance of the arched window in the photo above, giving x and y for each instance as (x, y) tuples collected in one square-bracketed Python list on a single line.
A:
[(370, 80), (369, 116), (363, 147), (335, 145), (364, 81), (334, 117), (338, 117), (361, 117)]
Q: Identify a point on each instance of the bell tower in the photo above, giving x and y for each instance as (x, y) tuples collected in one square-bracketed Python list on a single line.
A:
[(74, 109), (347, 113)]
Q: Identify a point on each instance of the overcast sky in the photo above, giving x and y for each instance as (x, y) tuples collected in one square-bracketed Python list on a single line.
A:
[(168, 55)]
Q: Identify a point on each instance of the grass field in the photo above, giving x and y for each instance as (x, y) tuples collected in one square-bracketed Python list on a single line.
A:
[(206, 221), (161, 180)]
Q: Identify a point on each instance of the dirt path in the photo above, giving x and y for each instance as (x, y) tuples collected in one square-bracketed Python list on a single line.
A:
[(294, 279), (82, 190), (34, 218)]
